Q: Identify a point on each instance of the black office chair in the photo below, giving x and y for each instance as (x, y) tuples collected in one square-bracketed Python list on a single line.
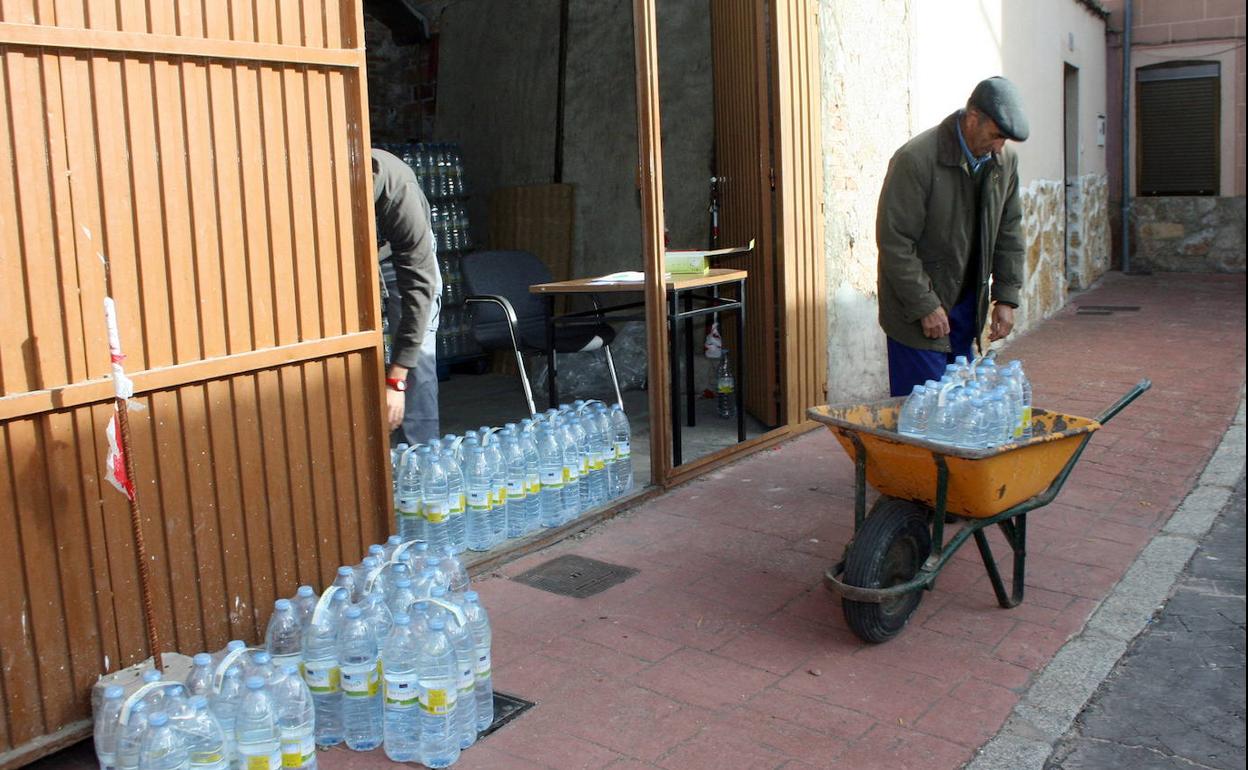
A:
[(506, 316)]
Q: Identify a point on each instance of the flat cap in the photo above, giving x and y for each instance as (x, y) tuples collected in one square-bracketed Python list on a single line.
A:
[(1000, 100)]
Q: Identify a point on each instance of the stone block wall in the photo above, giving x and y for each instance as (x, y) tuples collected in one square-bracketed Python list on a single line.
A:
[(1044, 286), (1188, 234), (1088, 231)]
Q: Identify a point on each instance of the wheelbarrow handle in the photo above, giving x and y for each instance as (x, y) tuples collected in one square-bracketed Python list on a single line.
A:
[(1121, 403)]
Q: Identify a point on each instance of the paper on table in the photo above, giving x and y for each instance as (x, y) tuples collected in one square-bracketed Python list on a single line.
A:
[(626, 276)]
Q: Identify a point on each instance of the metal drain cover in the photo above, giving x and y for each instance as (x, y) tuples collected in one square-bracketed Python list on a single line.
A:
[(1105, 309), (575, 576), (506, 708)]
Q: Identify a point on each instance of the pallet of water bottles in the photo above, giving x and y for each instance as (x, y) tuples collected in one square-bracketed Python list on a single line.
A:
[(975, 405), (475, 491), (394, 654)]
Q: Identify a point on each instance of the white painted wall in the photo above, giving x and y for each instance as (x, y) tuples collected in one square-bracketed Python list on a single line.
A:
[(893, 68)]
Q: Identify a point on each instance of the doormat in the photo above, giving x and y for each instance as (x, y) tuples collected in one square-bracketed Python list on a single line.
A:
[(575, 576), (506, 708), (1105, 309)]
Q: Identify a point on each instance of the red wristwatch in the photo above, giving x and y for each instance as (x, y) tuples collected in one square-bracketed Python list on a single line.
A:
[(397, 383)]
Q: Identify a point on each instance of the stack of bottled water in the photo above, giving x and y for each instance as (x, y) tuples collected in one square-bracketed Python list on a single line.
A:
[(396, 653), (475, 491), (974, 405)]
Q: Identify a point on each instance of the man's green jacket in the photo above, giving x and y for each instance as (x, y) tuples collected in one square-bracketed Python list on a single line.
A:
[(928, 228)]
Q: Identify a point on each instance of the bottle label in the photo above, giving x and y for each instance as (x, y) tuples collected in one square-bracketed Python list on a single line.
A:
[(1023, 422), (297, 750), (321, 676), (436, 512), (482, 666), (209, 760), (622, 450), (500, 495), (460, 505), (437, 700), (571, 473), (552, 478), (596, 462), (725, 386), (360, 680), (262, 761), (282, 661), (480, 500), (515, 490), (584, 465), (409, 506), (402, 690), (534, 484), (467, 682)]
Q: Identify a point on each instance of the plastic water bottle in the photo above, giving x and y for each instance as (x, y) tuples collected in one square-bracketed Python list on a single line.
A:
[(986, 373), (465, 664), (260, 664), (457, 500), (401, 597), (377, 612), (621, 470), (296, 719), (234, 651), (977, 431), (533, 483), (912, 420), (550, 470), (346, 579), (498, 484), (162, 748), (283, 637), (482, 638), (517, 483), (155, 696), (177, 704), (256, 739), (454, 576), (477, 481), (204, 737), (409, 522), (320, 670), (361, 697), (725, 387), (304, 602), (108, 726), (437, 673), (434, 501), (599, 426), (199, 681), (580, 439), (399, 664), (225, 703), (1026, 430), (571, 470), (130, 736)]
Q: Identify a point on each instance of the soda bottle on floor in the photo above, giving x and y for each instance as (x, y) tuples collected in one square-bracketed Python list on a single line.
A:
[(621, 444)]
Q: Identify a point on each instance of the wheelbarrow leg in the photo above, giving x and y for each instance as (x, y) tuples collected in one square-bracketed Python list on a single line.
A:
[(1016, 535)]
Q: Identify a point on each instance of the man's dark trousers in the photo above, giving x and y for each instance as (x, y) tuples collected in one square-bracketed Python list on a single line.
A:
[(909, 366)]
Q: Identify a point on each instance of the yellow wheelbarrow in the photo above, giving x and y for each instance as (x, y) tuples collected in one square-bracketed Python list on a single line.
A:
[(899, 547)]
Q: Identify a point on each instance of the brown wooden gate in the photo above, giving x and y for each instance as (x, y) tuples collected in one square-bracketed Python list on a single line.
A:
[(214, 152)]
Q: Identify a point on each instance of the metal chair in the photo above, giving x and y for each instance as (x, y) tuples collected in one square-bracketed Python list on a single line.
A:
[(506, 316)]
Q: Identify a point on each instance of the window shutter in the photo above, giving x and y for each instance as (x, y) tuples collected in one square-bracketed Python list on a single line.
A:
[(1178, 129)]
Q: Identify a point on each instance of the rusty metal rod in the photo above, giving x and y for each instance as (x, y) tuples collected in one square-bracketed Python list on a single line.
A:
[(140, 545)]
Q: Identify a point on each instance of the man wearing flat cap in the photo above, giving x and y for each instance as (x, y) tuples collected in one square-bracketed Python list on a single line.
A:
[(949, 231)]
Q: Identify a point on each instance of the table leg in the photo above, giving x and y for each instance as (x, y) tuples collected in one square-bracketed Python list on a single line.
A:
[(740, 384), (673, 363), (690, 396), (552, 387)]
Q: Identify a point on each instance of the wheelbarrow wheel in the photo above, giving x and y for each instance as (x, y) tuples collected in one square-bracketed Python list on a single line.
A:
[(888, 550)]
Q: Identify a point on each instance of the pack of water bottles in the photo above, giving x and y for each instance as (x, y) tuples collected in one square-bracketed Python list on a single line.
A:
[(475, 491), (396, 653), (975, 405)]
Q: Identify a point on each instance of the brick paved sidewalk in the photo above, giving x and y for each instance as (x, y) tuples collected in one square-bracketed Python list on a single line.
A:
[(725, 651)]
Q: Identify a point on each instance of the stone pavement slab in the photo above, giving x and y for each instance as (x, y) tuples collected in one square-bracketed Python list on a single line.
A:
[(1176, 699)]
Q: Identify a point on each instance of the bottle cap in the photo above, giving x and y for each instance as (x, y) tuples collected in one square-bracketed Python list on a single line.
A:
[(918, 390), (199, 702), (403, 582), (202, 659), (282, 605), (235, 644), (305, 591), (255, 683), (376, 550), (402, 619), (262, 658), (437, 623), (159, 719), (114, 691), (345, 571), (290, 669), (394, 540), (353, 612)]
